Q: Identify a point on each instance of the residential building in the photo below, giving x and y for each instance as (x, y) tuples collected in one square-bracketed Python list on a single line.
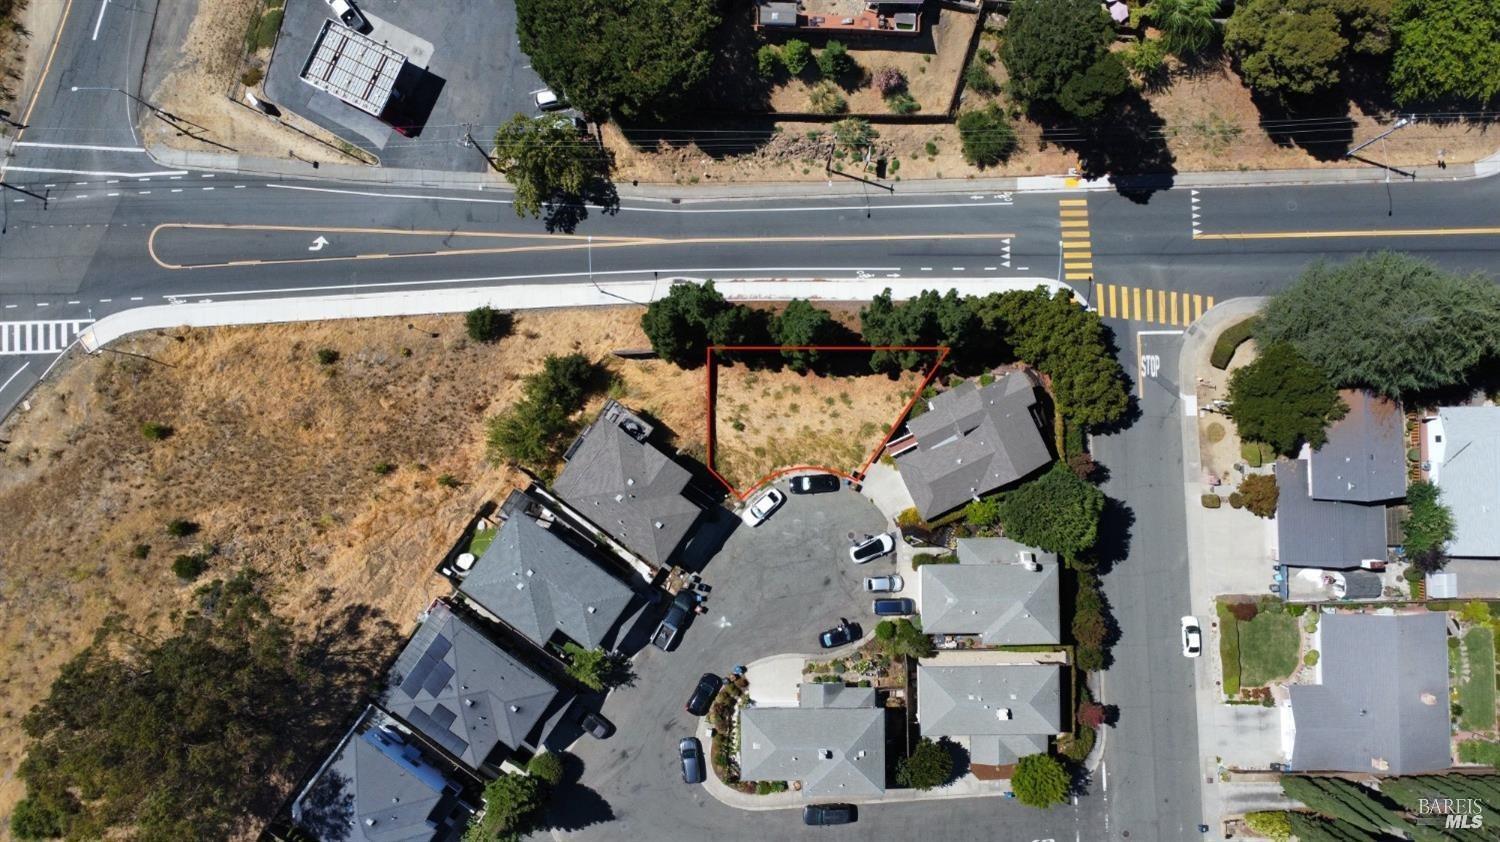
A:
[(970, 441), (1364, 458), (539, 578), (1329, 534), (899, 17), (455, 687), (1000, 591), (1462, 456), (999, 711), (626, 487), (379, 785), (1380, 704), (833, 742)]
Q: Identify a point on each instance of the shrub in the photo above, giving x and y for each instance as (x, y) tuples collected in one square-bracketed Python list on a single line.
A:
[(140, 551), (824, 98), (251, 77), (1236, 500), (885, 630), (1093, 714), (796, 54), (1275, 825), (852, 133), (180, 528), (889, 81), (1311, 658), (327, 356), (383, 468), (902, 103), (984, 55), (1211, 501), (1230, 339), (1145, 57), (931, 149), (265, 31), (977, 78), (1243, 611), (188, 567), (548, 766), (532, 430), (768, 61), (1040, 781), (1077, 745), (1429, 524), (909, 518), (982, 514), (153, 431), (448, 481), (987, 137), (929, 765), (835, 62), (921, 559), (486, 324), (1260, 494)]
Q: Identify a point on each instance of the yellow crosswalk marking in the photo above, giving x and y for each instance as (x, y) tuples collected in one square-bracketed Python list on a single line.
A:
[(1065, 213), (1150, 311), (1125, 304), (1113, 308), (1135, 300), (1208, 303), (1077, 276), (1077, 251), (1161, 305), (1197, 307), (1075, 223), (1084, 265), (1073, 203), (1082, 238), (1172, 297)]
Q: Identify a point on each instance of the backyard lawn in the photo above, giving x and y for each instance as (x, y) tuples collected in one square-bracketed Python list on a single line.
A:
[(1268, 648), (481, 541), (1476, 692)]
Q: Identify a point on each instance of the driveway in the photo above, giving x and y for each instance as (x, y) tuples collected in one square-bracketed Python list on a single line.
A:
[(476, 76), (774, 588)]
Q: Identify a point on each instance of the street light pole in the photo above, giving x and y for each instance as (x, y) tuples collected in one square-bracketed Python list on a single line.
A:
[(161, 114)]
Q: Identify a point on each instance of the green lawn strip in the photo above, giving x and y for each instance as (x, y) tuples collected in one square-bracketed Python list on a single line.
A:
[(1479, 751), (1229, 649), (1477, 693), (482, 540), (1268, 648)]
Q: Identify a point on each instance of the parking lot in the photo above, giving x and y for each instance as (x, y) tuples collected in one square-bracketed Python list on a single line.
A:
[(476, 75)]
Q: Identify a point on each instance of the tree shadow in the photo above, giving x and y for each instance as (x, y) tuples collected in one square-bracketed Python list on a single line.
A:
[(1318, 125), (960, 757), (573, 806), (564, 212), (328, 809), (1127, 145), (1115, 525)]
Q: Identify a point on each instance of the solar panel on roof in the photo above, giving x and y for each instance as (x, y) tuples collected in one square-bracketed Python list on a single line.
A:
[(437, 677), (444, 737)]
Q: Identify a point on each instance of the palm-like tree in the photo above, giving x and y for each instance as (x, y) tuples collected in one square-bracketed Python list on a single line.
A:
[(1187, 25)]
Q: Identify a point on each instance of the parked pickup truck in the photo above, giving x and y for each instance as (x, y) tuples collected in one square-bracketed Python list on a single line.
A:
[(677, 617)]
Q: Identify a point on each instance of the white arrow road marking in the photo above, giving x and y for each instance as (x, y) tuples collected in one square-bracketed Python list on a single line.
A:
[(318, 244)]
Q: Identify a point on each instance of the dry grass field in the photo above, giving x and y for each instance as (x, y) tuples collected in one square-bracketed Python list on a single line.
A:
[(281, 461)]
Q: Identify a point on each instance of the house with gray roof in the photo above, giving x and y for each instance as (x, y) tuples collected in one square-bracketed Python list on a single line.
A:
[(1001, 711), (455, 687), (1364, 459), (972, 440), (833, 742), (626, 487), (536, 579), (1462, 446), (1000, 591), (1323, 533), (1381, 706), (378, 785)]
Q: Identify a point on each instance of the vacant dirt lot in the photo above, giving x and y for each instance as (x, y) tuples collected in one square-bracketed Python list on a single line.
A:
[(280, 461), (767, 420)]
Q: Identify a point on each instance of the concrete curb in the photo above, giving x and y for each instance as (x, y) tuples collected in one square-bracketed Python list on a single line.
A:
[(278, 168), (525, 297)]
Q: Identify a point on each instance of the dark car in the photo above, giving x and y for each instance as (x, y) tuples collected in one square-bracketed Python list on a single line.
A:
[(844, 632), (703, 694), (597, 726), (824, 814), (894, 607), (815, 484), (690, 751)]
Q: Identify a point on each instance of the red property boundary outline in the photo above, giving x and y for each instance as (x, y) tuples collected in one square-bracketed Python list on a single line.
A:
[(711, 384)]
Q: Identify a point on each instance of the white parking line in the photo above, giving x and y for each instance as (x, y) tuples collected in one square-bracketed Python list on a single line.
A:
[(84, 146)]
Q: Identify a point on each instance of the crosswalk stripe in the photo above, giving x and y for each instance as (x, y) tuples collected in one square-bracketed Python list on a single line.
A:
[(1078, 265), (38, 337), (1161, 305), (1113, 307), (1075, 223), (1065, 213), (1197, 307), (1075, 235), (1077, 276), (1150, 311), (1172, 299), (1208, 303), (1073, 203), (1135, 300), (1078, 252)]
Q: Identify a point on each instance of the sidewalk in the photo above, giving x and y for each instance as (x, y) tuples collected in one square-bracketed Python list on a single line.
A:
[(1226, 554), (279, 168)]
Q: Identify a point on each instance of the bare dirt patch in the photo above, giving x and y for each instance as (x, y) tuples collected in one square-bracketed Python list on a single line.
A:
[(275, 456), (765, 420)]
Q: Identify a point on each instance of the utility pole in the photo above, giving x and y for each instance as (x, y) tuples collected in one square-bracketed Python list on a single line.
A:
[(1390, 200), (470, 141), (5, 217)]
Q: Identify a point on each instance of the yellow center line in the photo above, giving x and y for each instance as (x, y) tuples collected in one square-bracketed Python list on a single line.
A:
[(1388, 232)]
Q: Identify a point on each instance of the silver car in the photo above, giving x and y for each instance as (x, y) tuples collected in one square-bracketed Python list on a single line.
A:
[(884, 584)]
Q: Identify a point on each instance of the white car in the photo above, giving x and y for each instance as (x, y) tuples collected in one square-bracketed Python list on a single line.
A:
[(1192, 637), (547, 100), (762, 508), (349, 15), (872, 548), (884, 584)]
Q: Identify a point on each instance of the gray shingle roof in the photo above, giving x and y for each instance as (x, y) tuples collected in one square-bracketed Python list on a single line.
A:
[(538, 584), (1469, 476), (833, 751), (1005, 604), (1323, 533), (378, 787), (1364, 459), (1383, 704), (460, 690), (627, 487), (966, 700), (972, 441)]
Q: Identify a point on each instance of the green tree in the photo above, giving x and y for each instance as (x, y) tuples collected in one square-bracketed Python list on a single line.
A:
[(1260, 494), (1429, 524), (987, 136), (633, 61), (795, 54), (532, 431), (1286, 47), (1057, 512), (1085, 95), (679, 324), (931, 319), (180, 736), (547, 766), (1283, 400), (802, 324), (1345, 801), (768, 61), (1050, 42), (486, 324), (1187, 26), (928, 766), (904, 637), (597, 668), (1446, 50), (982, 513), (547, 162), (1307, 827), (511, 805), (1389, 322), (1040, 780), (834, 61)]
